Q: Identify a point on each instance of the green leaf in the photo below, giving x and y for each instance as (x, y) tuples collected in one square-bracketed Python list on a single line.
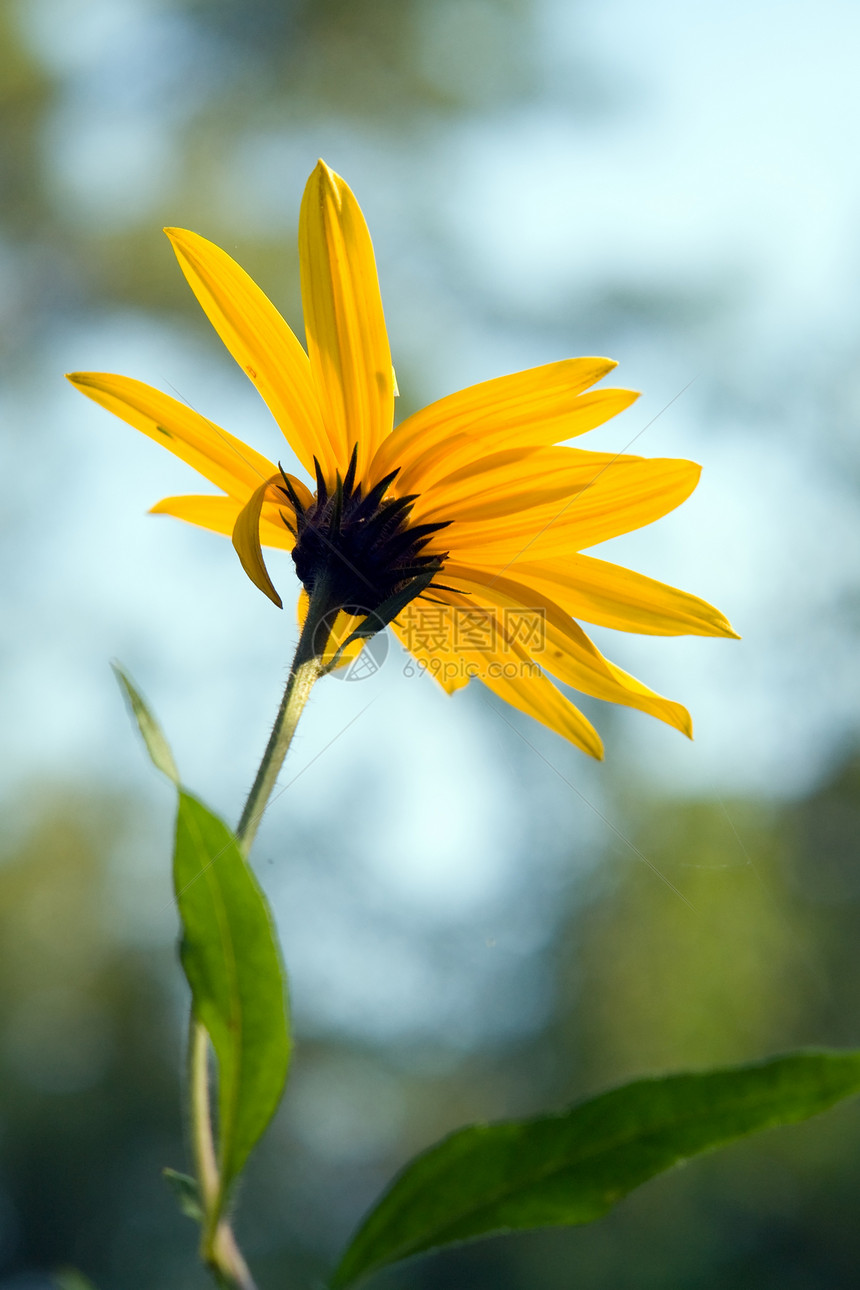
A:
[(560, 1170), (231, 958), (156, 744), (186, 1193)]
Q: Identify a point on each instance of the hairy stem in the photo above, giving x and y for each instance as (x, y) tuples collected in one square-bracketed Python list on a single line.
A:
[(303, 673)]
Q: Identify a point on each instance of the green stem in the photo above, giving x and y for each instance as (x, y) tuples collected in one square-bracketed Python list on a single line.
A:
[(205, 1163), (303, 673), (218, 1248)]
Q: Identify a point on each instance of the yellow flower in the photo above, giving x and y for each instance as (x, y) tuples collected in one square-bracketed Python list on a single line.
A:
[(464, 526)]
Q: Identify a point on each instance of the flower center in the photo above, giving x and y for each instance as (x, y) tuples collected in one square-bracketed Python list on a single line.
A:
[(362, 545)]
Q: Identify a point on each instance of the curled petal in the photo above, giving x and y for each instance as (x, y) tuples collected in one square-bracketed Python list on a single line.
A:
[(246, 540), (219, 515)]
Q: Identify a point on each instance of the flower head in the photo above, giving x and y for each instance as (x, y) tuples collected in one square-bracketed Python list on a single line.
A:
[(465, 526)]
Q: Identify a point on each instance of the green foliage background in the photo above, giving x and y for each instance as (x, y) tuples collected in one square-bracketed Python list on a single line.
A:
[(92, 1038)]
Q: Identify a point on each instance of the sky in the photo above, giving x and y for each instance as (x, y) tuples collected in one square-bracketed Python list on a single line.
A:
[(679, 181)]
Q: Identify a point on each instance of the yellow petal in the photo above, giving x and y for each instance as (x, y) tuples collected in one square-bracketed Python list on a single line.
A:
[(612, 596), (435, 635), (587, 675), (259, 340), (217, 455), (344, 323), (426, 630), (522, 684), (219, 514), (544, 405), (507, 482), (556, 643), (434, 463), (246, 540), (625, 496)]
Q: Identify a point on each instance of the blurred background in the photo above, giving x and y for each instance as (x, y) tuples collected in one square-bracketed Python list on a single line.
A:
[(477, 921)]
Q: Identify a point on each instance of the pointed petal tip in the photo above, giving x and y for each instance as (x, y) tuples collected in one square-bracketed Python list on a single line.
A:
[(181, 239), (599, 360), (587, 740), (720, 626), (91, 383), (324, 169), (184, 238), (323, 177), (163, 507), (79, 379)]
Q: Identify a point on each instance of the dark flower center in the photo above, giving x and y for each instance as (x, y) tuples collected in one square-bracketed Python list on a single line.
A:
[(361, 545)]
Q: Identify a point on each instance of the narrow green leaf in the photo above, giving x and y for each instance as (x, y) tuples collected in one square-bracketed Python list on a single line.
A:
[(231, 958), (153, 736), (186, 1193), (560, 1170)]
